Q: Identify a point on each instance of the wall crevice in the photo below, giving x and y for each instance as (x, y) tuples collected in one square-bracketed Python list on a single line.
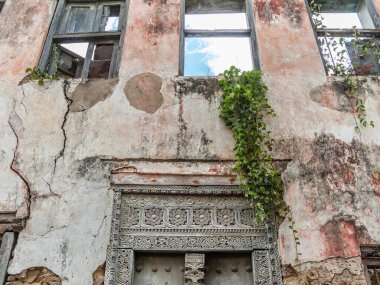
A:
[(15, 123), (69, 101)]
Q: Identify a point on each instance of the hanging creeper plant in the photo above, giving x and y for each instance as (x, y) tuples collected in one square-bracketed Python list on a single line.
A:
[(243, 107)]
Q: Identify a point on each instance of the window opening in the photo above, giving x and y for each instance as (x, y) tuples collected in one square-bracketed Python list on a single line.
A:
[(371, 262), (84, 39), (217, 34), (340, 22), (110, 18), (211, 56), (216, 21), (70, 58), (101, 61)]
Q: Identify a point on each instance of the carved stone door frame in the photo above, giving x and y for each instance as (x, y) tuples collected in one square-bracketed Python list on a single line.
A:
[(190, 219)]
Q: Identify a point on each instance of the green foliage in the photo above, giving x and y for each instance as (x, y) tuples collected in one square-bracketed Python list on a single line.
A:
[(349, 70), (243, 107), (37, 74), (295, 237)]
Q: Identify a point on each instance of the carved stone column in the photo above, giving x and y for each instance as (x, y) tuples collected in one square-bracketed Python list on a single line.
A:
[(194, 269), (261, 267)]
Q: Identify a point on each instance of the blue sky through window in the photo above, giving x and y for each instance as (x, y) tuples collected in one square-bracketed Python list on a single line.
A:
[(211, 56)]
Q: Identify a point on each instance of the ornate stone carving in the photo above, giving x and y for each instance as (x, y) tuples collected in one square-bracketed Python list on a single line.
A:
[(132, 216), (168, 210), (124, 266), (225, 217), (246, 217), (111, 262), (182, 218), (194, 268), (202, 217), (183, 200), (193, 242), (180, 190), (154, 216), (178, 217), (262, 268)]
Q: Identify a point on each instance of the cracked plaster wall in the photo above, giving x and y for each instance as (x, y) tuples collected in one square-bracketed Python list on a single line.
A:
[(66, 157)]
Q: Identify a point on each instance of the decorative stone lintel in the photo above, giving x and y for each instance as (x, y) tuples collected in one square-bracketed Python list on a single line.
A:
[(194, 268)]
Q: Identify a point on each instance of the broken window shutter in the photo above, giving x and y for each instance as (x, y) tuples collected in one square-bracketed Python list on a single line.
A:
[(105, 16), (78, 19)]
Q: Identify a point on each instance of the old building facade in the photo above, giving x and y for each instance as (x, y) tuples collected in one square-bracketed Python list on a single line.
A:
[(128, 177)]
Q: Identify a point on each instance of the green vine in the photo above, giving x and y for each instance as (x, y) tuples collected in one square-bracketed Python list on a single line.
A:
[(348, 70), (243, 106), (37, 74)]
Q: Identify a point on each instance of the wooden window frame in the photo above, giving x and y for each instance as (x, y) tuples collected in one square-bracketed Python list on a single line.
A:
[(2, 3), (250, 33), (374, 33), (98, 37)]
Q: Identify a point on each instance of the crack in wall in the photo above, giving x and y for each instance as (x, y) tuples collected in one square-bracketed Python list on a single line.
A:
[(97, 233), (50, 190), (66, 86), (14, 164)]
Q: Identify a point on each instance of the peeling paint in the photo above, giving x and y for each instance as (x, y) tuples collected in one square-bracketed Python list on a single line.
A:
[(91, 92), (34, 276), (335, 271), (98, 275), (270, 11), (206, 86), (143, 92)]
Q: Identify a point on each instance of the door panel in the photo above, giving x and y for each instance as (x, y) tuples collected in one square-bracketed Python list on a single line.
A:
[(228, 269), (159, 269)]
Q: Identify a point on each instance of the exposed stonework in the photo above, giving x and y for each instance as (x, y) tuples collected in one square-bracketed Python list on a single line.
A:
[(34, 276), (98, 275), (207, 86), (334, 271), (332, 95), (335, 95), (331, 180), (143, 92), (87, 94)]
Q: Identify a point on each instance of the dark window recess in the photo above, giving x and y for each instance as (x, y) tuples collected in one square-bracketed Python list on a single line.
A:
[(363, 64), (215, 35), (110, 18), (70, 63), (101, 62), (84, 39), (371, 261), (336, 37)]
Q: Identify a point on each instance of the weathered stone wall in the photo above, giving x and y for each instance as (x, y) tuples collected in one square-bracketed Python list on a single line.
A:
[(60, 142)]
